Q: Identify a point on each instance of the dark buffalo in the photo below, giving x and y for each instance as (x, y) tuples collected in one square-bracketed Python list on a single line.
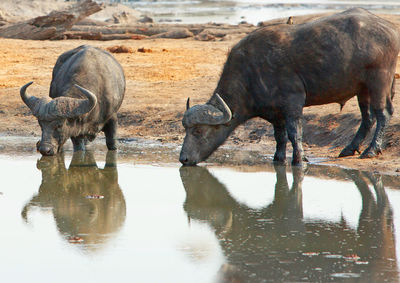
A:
[(87, 89), (277, 70)]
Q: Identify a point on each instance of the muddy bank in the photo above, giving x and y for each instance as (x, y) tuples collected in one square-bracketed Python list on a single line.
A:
[(151, 152)]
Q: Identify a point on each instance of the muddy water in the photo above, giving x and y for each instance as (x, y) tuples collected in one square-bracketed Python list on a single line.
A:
[(104, 218)]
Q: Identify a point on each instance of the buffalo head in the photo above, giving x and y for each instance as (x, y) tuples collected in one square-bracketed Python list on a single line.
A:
[(207, 127), (52, 116)]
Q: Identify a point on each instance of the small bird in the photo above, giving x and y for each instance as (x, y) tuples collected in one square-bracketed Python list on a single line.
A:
[(290, 20)]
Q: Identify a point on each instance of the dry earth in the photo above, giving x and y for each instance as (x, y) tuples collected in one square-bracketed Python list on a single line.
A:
[(159, 81)]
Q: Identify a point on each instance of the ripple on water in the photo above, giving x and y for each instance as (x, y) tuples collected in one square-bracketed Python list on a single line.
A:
[(346, 275)]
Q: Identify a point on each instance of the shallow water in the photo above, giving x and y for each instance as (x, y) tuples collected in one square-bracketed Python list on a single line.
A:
[(97, 219), (251, 11)]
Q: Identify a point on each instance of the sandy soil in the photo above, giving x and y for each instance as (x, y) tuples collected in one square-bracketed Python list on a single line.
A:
[(158, 84)]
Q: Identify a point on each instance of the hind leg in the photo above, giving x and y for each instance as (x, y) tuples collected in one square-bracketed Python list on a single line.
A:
[(382, 120), (110, 131), (367, 121), (381, 102)]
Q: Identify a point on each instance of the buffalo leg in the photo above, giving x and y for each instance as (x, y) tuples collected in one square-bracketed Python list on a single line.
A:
[(110, 131), (367, 121), (281, 140), (382, 114), (79, 143), (295, 131), (375, 148)]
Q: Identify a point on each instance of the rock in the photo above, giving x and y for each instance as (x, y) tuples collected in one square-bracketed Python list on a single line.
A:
[(144, 50), (51, 26), (120, 49), (111, 9), (175, 33), (205, 36), (124, 18), (145, 20)]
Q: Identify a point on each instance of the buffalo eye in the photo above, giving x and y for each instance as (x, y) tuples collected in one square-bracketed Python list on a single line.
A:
[(198, 132)]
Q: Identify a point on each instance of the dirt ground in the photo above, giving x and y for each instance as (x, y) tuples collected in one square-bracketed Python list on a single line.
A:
[(160, 80)]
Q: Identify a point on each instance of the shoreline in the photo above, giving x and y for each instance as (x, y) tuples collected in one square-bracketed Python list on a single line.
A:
[(153, 152), (142, 152)]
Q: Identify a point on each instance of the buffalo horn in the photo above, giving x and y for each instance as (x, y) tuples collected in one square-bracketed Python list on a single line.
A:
[(208, 114), (188, 104), (225, 109), (35, 104), (60, 107), (69, 107), (88, 104)]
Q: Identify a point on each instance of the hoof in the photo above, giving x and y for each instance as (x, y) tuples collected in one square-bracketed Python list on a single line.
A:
[(302, 165), (347, 152), (368, 153), (299, 162), (111, 147), (279, 160)]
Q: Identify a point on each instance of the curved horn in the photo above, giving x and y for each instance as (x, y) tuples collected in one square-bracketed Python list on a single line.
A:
[(32, 102), (69, 107), (26, 98), (91, 102), (208, 114), (225, 109), (188, 104)]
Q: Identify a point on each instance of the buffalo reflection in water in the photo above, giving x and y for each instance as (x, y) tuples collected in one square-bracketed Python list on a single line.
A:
[(86, 201), (275, 243)]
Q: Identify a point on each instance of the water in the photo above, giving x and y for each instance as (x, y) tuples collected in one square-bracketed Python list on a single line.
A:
[(252, 11), (97, 218)]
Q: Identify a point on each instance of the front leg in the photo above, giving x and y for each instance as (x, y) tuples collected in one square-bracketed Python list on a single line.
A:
[(281, 141), (367, 121), (110, 131), (375, 148), (79, 143), (295, 131)]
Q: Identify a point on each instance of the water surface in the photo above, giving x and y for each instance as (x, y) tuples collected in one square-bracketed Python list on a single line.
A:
[(251, 11), (95, 218)]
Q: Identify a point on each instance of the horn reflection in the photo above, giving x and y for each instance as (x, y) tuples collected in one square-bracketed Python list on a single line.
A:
[(277, 243), (87, 203)]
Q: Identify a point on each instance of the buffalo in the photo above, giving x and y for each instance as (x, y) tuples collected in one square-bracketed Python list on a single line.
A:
[(277, 70), (86, 91)]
